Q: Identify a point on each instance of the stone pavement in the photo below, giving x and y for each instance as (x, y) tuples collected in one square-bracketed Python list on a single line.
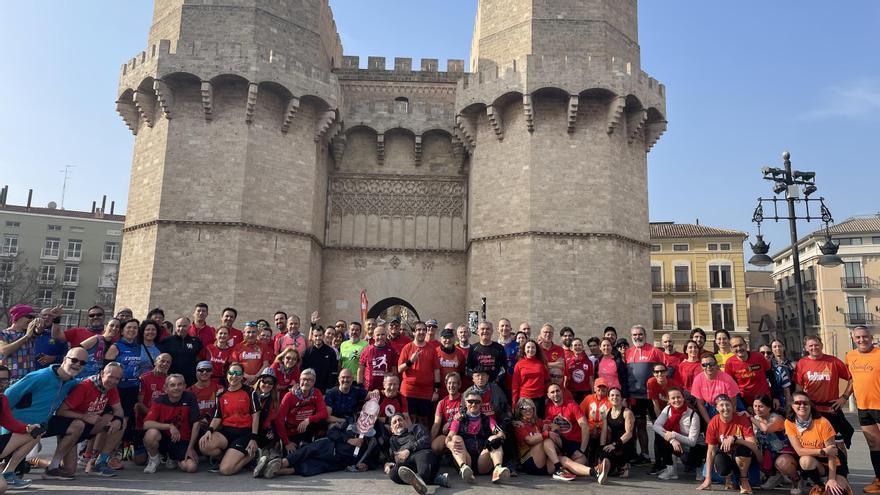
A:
[(131, 481)]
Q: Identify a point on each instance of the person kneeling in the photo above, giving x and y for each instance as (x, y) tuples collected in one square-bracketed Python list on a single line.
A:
[(168, 427), (476, 440), (731, 443), (414, 461)]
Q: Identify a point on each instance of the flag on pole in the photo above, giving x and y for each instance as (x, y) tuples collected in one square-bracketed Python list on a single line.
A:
[(364, 305)]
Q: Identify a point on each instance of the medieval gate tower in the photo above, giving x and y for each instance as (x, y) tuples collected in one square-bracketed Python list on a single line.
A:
[(272, 172)]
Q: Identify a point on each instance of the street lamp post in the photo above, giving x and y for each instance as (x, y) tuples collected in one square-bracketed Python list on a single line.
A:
[(793, 183)]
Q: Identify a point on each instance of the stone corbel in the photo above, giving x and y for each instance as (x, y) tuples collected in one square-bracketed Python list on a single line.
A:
[(325, 120), (636, 123), (338, 149), (653, 131), (495, 121), (458, 153), (528, 111), (129, 114), (418, 149), (251, 107), (146, 106), (467, 130), (573, 102), (290, 114), (380, 148), (615, 113), (165, 97), (207, 91)]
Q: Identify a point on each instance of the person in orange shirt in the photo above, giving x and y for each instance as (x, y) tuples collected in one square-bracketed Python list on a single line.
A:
[(863, 363), (819, 374), (251, 354), (812, 438), (595, 406)]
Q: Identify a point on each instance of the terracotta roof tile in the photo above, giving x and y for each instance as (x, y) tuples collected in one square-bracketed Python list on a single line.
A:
[(669, 230)]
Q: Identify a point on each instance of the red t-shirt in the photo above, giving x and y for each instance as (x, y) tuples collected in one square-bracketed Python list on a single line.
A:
[(448, 408), (418, 379), (579, 373), (75, 336), (378, 362), (251, 356), (205, 334), (86, 398), (152, 386), (285, 379), (566, 417), (673, 360), (389, 406), (750, 375), (220, 358), (295, 408), (659, 392), (236, 337), (718, 430), (820, 378), (181, 414), (451, 362), (235, 408), (553, 354), (399, 343), (207, 398), (686, 372), (530, 379)]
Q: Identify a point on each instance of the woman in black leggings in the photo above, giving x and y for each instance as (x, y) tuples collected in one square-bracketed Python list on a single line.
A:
[(617, 441)]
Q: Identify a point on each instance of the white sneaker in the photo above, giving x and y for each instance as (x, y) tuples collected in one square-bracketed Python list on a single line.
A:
[(772, 482), (152, 464), (668, 474)]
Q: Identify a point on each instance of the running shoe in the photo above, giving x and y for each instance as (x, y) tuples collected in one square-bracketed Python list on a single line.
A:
[(57, 474), (409, 476), (272, 467), (668, 474), (103, 469), (500, 473), (152, 464), (467, 474), (874, 487), (261, 465), (442, 480), (772, 482), (13, 482), (563, 475)]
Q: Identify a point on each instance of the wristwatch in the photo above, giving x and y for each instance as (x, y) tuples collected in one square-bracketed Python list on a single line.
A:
[(822, 452)]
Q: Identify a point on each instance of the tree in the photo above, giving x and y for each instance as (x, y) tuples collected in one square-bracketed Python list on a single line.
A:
[(18, 284)]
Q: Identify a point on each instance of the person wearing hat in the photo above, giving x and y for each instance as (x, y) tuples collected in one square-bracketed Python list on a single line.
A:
[(264, 397), (452, 359), (595, 406), (432, 339), (396, 338), (17, 341), (206, 390)]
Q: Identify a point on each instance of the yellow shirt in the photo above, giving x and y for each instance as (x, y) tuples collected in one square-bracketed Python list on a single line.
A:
[(865, 370), (722, 358)]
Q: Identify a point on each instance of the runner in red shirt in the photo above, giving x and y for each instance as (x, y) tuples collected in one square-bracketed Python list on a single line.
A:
[(227, 319), (233, 430), (419, 366), (76, 335), (172, 427), (731, 443), (251, 354), (578, 371), (819, 374), (206, 391), (658, 385), (396, 338), (568, 438), (390, 400), (301, 413), (377, 361), (199, 326), (553, 354), (690, 367), (750, 370), (671, 357), (595, 406), (451, 358), (152, 386), (220, 354), (287, 369), (530, 376), (447, 410), (566, 336)]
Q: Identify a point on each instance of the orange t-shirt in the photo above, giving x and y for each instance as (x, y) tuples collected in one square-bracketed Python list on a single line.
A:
[(814, 437), (718, 430), (865, 369), (595, 410)]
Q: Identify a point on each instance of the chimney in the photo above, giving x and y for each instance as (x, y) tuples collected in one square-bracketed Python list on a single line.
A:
[(94, 204), (3, 194), (112, 206), (104, 204), (30, 197)]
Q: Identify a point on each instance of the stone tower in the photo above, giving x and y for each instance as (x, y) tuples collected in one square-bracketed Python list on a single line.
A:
[(272, 172), (232, 105), (558, 117)]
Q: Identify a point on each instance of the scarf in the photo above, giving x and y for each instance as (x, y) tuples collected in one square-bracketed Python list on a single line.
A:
[(802, 426), (674, 419)]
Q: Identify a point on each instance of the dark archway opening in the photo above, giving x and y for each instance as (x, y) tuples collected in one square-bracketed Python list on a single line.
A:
[(394, 306)]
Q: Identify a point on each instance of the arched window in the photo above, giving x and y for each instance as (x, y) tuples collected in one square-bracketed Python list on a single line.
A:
[(401, 104)]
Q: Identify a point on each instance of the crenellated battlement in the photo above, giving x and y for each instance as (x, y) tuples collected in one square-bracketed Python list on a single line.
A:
[(529, 73), (402, 70)]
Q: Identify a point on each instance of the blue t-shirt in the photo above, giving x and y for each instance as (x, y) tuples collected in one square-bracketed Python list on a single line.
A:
[(46, 345), (345, 405)]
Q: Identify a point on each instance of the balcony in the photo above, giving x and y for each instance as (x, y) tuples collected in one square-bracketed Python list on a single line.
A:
[(778, 296), (49, 254), (793, 323), (809, 285), (790, 291), (657, 287), (72, 255), (811, 319), (676, 288), (46, 280), (855, 319), (849, 283), (70, 281), (780, 324)]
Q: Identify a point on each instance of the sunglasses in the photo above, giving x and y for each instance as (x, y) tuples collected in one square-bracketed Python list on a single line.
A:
[(708, 365), (801, 403), (555, 376), (77, 361), (525, 408), (659, 371), (235, 373), (474, 401), (767, 353), (96, 315), (204, 370)]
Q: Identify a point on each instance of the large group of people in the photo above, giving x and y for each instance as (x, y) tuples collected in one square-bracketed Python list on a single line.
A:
[(279, 399)]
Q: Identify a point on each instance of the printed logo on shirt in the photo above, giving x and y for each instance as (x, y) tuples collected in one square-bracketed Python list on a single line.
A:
[(578, 376), (819, 376), (380, 363), (563, 424), (390, 410), (448, 363)]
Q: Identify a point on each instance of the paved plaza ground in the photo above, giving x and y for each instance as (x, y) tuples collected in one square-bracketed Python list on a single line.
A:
[(132, 481)]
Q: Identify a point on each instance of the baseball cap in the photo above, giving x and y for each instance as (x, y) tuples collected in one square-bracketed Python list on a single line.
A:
[(447, 332), (268, 372), (204, 364), (432, 323), (396, 319), (19, 311), (600, 382)]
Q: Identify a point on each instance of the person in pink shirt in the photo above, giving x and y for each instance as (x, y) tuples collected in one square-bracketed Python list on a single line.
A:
[(711, 383), (292, 337)]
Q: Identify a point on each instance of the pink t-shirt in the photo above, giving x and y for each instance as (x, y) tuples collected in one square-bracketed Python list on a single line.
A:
[(706, 389), (608, 372)]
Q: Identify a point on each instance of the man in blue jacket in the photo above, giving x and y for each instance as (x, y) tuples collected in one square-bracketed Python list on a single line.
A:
[(37, 395)]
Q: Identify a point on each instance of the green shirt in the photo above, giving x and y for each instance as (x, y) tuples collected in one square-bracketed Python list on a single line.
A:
[(350, 353)]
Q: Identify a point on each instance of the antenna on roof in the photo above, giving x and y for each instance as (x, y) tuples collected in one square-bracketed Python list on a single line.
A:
[(66, 172)]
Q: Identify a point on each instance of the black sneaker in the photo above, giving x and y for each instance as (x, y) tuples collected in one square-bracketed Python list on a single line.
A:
[(214, 465), (655, 470), (642, 460)]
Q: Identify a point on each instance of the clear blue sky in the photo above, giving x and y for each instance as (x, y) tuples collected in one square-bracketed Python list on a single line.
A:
[(745, 80)]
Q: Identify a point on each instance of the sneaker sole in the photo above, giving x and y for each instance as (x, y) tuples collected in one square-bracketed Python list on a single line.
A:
[(261, 465), (57, 477), (272, 468), (467, 474), (503, 476), (409, 476)]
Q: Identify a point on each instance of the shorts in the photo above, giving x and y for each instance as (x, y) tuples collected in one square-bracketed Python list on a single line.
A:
[(642, 408), (868, 417), (236, 438), (174, 450), (58, 426), (842, 467), (569, 447), (420, 407), (4, 439), (529, 467)]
